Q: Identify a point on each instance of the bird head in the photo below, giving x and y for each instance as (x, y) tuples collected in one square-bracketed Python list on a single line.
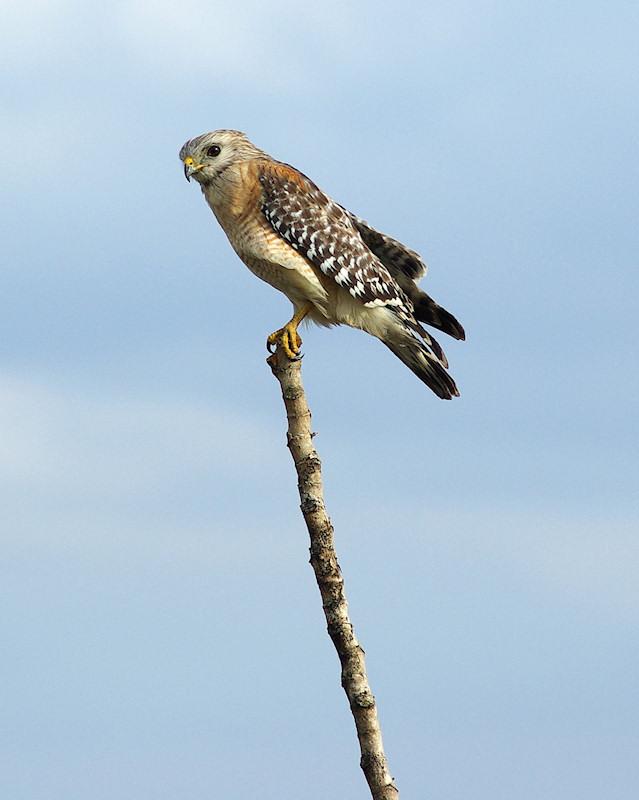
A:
[(207, 156)]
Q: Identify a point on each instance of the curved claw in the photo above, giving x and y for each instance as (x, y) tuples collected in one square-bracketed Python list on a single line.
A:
[(288, 338)]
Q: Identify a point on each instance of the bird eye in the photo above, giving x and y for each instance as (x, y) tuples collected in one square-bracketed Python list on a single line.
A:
[(213, 150)]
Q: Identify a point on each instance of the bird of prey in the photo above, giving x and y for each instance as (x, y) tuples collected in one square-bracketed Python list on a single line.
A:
[(331, 264)]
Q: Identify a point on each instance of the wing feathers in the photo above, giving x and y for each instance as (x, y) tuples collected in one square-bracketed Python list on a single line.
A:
[(376, 270), (322, 231), (428, 311), (423, 364), (408, 267), (396, 257)]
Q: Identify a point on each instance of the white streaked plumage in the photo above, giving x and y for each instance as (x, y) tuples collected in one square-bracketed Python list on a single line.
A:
[(334, 267)]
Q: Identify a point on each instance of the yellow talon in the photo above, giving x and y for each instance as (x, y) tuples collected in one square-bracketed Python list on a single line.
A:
[(288, 337)]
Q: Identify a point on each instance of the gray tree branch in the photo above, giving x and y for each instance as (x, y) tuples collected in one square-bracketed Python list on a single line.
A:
[(329, 578)]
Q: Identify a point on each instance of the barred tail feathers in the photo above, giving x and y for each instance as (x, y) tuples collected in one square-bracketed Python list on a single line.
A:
[(424, 364), (428, 311)]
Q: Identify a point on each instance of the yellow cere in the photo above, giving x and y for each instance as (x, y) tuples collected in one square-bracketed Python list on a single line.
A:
[(188, 161)]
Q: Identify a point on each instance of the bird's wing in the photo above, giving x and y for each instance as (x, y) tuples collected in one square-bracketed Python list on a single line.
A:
[(322, 231), (407, 268), (399, 260), (325, 234)]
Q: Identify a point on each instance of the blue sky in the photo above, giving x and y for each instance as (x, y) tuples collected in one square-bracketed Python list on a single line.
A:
[(163, 634)]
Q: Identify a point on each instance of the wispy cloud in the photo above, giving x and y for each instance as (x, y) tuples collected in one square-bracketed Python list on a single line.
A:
[(569, 559), (65, 441), (205, 46)]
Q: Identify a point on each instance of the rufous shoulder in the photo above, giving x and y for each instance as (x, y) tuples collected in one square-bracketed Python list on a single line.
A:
[(265, 169)]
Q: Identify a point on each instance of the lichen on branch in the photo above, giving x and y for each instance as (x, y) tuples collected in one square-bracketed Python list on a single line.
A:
[(329, 577)]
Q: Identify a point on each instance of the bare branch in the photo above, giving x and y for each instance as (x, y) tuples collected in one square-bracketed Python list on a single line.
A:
[(329, 578)]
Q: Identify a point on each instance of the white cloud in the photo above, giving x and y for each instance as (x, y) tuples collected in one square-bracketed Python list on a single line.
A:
[(121, 481), (284, 44), (206, 46), (63, 441)]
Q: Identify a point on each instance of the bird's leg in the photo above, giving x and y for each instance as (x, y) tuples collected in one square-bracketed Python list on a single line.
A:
[(288, 336)]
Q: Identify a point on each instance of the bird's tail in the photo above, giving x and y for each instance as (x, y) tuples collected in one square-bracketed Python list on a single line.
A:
[(428, 366), (428, 311)]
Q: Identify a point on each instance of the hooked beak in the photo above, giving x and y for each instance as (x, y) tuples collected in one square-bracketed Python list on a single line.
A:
[(189, 168)]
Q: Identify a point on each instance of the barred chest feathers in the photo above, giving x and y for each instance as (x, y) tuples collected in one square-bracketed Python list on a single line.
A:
[(234, 198)]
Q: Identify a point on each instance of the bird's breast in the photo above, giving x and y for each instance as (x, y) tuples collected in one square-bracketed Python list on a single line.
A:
[(237, 205)]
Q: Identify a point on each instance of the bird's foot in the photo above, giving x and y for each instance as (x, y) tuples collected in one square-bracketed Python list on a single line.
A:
[(288, 338)]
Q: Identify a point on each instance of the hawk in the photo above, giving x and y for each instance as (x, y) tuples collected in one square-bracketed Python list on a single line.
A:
[(331, 264)]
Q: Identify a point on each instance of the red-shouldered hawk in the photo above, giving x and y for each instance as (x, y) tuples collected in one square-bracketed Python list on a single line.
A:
[(333, 267)]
